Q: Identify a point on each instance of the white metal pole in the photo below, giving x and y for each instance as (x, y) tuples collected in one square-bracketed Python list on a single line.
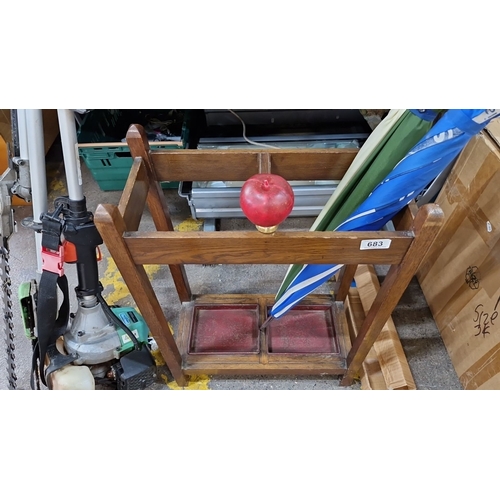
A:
[(23, 134), (69, 142), (38, 174), (24, 179)]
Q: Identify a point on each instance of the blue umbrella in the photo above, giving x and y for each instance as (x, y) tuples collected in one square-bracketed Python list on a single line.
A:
[(439, 147)]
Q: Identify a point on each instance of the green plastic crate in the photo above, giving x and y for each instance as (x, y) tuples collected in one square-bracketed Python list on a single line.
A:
[(104, 153), (110, 165)]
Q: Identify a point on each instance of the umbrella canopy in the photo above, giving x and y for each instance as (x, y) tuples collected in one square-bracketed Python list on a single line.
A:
[(410, 176), (385, 147)]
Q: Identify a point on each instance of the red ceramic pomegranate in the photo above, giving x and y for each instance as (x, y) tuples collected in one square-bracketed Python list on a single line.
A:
[(266, 200)]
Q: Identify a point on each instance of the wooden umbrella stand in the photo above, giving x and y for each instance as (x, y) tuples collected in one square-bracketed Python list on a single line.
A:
[(221, 333)]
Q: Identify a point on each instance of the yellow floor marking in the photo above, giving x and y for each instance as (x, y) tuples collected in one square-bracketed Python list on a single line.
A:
[(189, 225), (57, 187), (195, 383), (159, 361), (113, 279)]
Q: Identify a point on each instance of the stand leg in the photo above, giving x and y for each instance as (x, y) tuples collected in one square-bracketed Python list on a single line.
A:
[(111, 226), (139, 146), (426, 226)]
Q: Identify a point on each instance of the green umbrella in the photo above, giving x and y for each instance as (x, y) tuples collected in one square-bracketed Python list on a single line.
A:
[(385, 148), (371, 148)]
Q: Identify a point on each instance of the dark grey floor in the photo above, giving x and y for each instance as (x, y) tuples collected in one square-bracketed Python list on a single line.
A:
[(427, 356)]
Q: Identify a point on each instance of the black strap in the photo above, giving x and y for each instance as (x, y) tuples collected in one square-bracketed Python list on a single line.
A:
[(51, 232), (51, 322)]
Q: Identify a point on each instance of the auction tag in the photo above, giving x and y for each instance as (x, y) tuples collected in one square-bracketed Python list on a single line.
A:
[(375, 244)]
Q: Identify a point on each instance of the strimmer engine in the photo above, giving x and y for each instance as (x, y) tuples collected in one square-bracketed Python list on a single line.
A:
[(98, 344)]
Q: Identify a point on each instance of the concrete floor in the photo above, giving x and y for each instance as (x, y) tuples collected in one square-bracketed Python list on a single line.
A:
[(427, 356)]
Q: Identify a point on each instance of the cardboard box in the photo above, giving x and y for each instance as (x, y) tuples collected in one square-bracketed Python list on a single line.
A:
[(50, 126), (460, 275), (50, 132)]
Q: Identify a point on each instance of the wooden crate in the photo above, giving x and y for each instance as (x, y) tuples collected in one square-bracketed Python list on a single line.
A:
[(460, 276)]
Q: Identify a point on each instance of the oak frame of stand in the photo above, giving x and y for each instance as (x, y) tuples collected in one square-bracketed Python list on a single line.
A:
[(131, 250)]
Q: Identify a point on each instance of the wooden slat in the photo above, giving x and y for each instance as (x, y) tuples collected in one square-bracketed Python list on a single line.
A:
[(344, 279), (264, 163), (404, 219), (493, 131), (133, 199), (265, 301), (245, 247), (93, 145), (184, 329), (193, 165), (341, 328), (239, 165), (370, 373), (327, 164), (393, 363), (333, 367), (192, 367)]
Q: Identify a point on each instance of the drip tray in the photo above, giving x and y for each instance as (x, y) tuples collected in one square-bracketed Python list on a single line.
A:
[(225, 329), (219, 335), (303, 330)]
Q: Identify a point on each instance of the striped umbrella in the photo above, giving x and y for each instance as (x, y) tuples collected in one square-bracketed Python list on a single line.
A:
[(410, 176)]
